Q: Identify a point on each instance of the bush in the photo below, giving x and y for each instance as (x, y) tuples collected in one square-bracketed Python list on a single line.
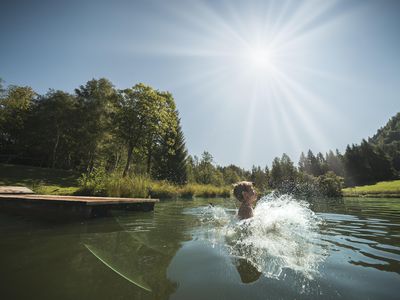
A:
[(162, 189), (127, 187), (93, 183), (187, 191), (330, 185), (99, 183), (305, 185)]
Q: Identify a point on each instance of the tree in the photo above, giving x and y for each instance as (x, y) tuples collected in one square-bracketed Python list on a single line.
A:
[(229, 174), (54, 128), (96, 100), (260, 178), (166, 134), (15, 105), (171, 159), (287, 168), (283, 174), (276, 174), (335, 162), (143, 118), (303, 163), (190, 169), (322, 164), (314, 167), (366, 164), (387, 139), (206, 172)]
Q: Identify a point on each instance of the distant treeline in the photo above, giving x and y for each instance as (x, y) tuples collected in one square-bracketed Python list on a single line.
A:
[(137, 131)]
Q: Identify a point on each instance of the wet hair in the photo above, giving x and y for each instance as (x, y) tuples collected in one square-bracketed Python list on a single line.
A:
[(242, 186)]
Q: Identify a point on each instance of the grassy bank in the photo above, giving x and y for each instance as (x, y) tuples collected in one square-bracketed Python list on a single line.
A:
[(61, 182), (40, 180), (381, 189), (113, 185)]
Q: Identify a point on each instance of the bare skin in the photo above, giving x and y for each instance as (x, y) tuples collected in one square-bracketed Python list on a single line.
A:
[(246, 208)]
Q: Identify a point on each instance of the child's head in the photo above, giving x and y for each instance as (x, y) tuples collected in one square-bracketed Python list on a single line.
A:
[(241, 188)]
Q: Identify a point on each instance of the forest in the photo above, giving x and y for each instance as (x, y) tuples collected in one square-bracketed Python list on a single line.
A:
[(136, 134)]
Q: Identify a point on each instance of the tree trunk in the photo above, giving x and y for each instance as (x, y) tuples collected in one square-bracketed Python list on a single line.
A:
[(117, 156), (128, 161), (53, 164), (149, 154)]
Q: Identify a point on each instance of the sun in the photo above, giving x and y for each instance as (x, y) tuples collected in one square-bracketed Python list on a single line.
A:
[(259, 57), (257, 60)]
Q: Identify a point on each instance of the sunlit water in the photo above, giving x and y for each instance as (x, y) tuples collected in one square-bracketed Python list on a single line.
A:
[(189, 249)]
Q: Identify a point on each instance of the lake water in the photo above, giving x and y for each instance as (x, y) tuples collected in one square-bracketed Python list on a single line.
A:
[(187, 249)]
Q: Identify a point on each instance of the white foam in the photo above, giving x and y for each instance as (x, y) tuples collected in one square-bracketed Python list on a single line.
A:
[(283, 234)]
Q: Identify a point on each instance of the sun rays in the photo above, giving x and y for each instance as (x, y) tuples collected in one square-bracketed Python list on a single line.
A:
[(253, 58)]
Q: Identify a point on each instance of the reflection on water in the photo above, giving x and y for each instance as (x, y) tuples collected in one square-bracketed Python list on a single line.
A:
[(127, 254), (345, 248)]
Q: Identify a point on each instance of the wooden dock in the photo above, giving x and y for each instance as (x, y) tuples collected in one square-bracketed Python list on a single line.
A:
[(22, 199)]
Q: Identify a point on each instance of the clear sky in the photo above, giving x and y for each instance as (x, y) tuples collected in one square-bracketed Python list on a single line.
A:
[(252, 79)]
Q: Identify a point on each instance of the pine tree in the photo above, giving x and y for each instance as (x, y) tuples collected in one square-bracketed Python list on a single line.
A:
[(171, 158)]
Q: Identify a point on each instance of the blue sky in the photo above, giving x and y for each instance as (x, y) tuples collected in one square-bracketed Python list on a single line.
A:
[(252, 79)]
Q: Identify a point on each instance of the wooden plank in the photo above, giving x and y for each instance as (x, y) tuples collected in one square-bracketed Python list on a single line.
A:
[(15, 190), (80, 199), (70, 207)]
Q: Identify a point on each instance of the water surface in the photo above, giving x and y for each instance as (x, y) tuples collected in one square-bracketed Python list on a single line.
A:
[(188, 249)]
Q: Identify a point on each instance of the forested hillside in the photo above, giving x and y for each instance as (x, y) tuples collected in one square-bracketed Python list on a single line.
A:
[(388, 138)]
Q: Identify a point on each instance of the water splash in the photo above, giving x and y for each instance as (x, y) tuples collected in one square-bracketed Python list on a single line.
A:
[(282, 235)]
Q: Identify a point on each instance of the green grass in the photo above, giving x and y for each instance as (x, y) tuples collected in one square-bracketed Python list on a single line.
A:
[(40, 180), (61, 182), (380, 189), (205, 190)]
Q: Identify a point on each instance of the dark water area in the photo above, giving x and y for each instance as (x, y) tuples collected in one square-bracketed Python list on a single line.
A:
[(187, 249)]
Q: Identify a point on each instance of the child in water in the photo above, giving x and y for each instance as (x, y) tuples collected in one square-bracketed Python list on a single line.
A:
[(245, 193)]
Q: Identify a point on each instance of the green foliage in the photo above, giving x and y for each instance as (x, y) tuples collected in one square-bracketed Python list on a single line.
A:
[(260, 178), (96, 102), (136, 132), (100, 183), (170, 159), (330, 184), (15, 106), (200, 190), (42, 189), (380, 189), (93, 183), (97, 126), (162, 189), (387, 138), (187, 191), (144, 117), (313, 165), (52, 140), (334, 162), (365, 164), (204, 171), (305, 185), (283, 174)]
